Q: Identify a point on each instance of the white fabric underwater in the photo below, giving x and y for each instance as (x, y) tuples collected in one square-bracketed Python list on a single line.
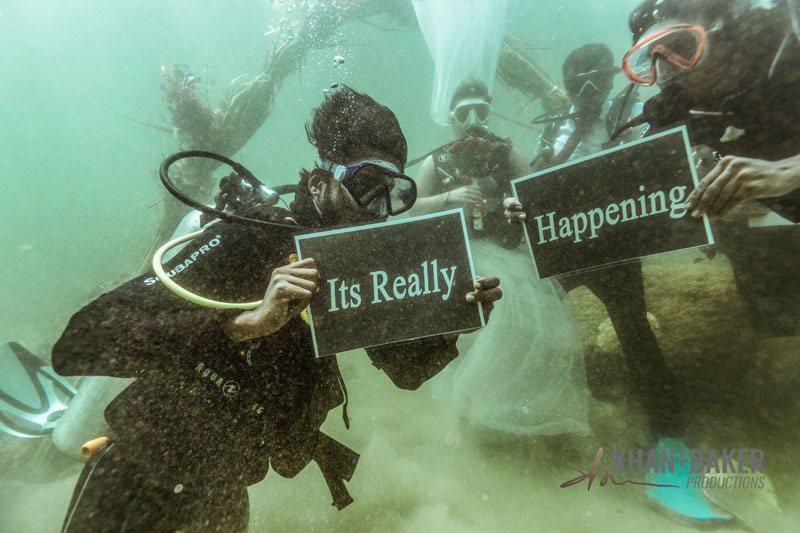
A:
[(524, 372), (464, 38)]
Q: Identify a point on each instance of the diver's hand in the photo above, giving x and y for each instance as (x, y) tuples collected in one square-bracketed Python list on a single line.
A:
[(290, 289), (469, 194), (514, 213), (486, 292), (736, 179)]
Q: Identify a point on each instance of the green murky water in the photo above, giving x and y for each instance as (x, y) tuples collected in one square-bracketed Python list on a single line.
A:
[(85, 126)]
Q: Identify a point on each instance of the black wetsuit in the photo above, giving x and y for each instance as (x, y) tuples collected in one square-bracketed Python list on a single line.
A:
[(766, 116), (206, 416), (621, 290)]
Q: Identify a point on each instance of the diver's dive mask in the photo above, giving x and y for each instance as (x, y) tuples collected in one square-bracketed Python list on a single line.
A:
[(471, 112), (375, 185), (680, 45), (587, 84)]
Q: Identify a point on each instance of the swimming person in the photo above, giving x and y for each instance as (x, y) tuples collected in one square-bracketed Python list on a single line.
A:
[(588, 77), (523, 373), (220, 395)]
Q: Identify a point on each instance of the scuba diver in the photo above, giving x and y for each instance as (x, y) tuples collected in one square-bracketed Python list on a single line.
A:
[(475, 170), (523, 374), (220, 395), (588, 77), (730, 68), (587, 125)]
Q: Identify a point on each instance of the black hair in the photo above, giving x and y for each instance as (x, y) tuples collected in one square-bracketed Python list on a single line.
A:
[(751, 30), (349, 125), (346, 127), (588, 58), (470, 89), (704, 12)]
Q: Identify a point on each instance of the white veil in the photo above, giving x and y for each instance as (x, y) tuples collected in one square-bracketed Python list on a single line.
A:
[(464, 38)]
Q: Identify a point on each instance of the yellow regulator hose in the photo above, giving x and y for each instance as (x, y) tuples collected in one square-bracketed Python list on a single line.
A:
[(192, 297), (183, 293)]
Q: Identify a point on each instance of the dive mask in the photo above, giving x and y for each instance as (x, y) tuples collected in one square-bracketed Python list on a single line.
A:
[(471, 112), (375, 185), (681, 45), (598, 80)]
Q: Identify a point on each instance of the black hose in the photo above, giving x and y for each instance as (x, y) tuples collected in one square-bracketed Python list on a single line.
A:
[(556, 118), (163, 172)]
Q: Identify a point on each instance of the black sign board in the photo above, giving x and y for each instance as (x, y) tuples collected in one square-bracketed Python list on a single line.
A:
[(614, 206), (390, 282)]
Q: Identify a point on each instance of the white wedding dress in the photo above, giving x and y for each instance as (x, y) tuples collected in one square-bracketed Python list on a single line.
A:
[(524, 372)]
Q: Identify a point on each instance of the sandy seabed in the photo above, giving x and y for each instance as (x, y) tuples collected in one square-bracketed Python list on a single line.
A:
[(423, 469)]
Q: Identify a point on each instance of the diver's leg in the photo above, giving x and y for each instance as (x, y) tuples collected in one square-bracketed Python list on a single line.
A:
[(621, 289), (106, 488), (763, 261), (115, 495)]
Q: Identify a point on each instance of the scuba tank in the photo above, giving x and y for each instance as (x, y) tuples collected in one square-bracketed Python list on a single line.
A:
[(83, 419)]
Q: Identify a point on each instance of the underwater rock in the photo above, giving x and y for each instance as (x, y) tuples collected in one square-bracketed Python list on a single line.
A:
[(695, 313), (705, 335)]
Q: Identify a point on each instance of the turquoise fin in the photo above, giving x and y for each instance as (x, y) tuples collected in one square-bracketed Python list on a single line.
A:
[(690, 502)]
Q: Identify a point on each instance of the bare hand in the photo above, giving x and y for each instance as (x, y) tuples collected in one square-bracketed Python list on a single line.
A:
[(486, 292), (469, 194), (290, 289), (514, 212), (736, 179)]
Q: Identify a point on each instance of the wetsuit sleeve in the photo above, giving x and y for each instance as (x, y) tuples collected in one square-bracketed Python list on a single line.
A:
[(142, 324), (410, 364), (132, 329), (507, 236)]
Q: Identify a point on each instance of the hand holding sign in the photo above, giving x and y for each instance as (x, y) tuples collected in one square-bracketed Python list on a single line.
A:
[(486, 292), (617, 205), (395, 281), (290, 289), (736, 179), (514, 212)]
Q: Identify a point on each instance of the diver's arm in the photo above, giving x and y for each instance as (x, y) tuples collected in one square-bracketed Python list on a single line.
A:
[(132, 328), (430, 202), (142, 323), (736, 179), (410, 364), (510, 235), (427, 202), (290, 290)]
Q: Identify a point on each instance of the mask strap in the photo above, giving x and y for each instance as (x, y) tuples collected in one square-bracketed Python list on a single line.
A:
[(319, 212)]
